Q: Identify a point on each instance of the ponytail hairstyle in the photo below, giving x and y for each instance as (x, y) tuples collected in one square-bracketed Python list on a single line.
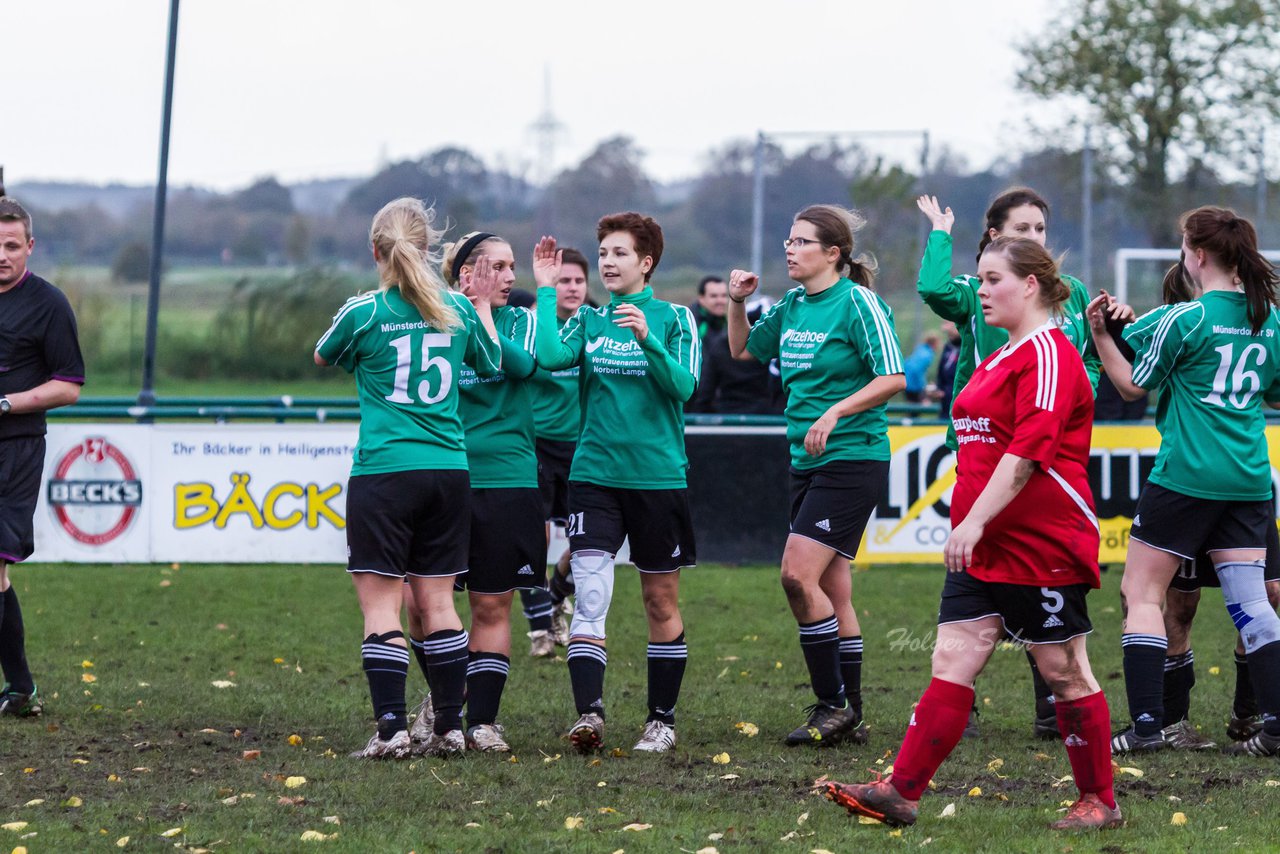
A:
[(1028, 258), (1177, 286), (402, 235), (1233, 243), (463, 252), (836, 226), (998, 213)]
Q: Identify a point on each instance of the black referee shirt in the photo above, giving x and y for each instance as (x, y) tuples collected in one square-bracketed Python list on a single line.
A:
[(38, 343)]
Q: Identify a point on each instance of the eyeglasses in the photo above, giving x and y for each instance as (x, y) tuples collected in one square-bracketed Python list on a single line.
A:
[(799, 242)]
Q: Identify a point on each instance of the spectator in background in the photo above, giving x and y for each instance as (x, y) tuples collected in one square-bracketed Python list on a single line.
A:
[(947, 368), (917, 366), (729, 385), (713, 302)]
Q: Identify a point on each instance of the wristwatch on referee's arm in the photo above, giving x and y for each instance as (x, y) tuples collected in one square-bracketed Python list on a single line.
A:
[(5, 405)]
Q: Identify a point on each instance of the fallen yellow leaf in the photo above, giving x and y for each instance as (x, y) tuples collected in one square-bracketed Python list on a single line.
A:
[(294, 782), (550, 759), (1132, 772), (73, 801), (15, 826), (865, 819), (636, 826), (222, 683), (606, 810), (1178, 819), (750, 730), (316, 836), (720, 759), (28, 770), (1271, 784), (20, 849), (472, 824), (601, 784), (122, 841), (975, 792), (1214, 671), (543, 803), (822, 850), (171, 832), (948, 811), (332, 819), (995, 764), (79, 761), (88, 677), (277, 661), (86, 664), (729, 777), (710, 849), (802, 818), (574, 822), (250, 755), (295, 739), (34, 802), (896, 833)]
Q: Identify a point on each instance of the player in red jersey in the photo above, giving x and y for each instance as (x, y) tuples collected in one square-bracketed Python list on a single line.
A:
[(1023, 549)]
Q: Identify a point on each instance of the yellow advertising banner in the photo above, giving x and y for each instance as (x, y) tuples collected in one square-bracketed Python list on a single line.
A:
[(913, 522)]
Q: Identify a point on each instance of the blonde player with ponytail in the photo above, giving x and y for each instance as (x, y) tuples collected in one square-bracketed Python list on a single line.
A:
[(408, 512)]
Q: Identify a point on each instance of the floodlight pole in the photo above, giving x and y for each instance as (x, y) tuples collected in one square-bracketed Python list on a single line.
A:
[(147, 395), (1086, 219)]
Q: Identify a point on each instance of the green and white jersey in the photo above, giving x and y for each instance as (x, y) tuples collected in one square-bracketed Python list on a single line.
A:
[(829, 345), (557, 413), (955, 298), (407, 379), (632, 394), (1213, 375), (497, 410)]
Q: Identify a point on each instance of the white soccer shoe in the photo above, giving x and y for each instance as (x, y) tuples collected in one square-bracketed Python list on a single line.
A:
[(425, 719), (397, 747), (542, 644), (488, 738), (656, 738), (560, 623), (452, 743)]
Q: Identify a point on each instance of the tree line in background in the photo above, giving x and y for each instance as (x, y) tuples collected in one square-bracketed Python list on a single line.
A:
[(1181, 94)]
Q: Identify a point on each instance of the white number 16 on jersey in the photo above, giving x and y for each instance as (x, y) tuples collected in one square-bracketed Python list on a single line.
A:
[(404, 356)]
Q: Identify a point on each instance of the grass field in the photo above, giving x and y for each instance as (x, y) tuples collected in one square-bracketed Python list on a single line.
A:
[(137, 741)]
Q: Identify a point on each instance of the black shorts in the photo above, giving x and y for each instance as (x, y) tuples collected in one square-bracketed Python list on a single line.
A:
[(1194, 574), (554, 460), (831, 504), (1030, 614), (409, 522), (1186, 526), (655, 520), (21, 467), (508, 541)]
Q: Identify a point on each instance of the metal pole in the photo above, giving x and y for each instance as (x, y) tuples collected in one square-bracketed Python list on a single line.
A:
[(1086, 224), (757, 207), (147, 395)]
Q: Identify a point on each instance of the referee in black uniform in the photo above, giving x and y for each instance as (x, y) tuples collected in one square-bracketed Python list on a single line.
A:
[(40, 368)]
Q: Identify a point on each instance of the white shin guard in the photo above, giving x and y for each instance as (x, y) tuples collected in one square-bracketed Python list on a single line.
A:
[(593, 590)]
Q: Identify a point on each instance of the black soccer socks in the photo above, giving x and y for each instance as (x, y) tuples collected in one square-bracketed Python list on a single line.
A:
[(486, 677), (586, 673), (1179, 679), (666, 672), (13, 645), (386, 665), (1144, 681), (820, 643), (851, 671), (447, 676)]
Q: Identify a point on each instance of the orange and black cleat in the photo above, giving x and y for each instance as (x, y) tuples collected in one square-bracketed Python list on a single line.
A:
[(1089, 813), (879, 800)]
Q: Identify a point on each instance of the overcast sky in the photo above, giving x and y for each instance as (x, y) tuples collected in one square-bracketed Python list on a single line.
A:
[(304, 89)]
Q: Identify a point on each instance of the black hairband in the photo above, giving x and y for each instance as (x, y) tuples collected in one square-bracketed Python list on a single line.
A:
[(472, 242)]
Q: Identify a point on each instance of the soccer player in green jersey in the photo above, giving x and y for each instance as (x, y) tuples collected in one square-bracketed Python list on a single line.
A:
[(507, 547), (639, 358), (1215, 361), (1017, 212), (408, 496), (557, 417), (841, 361)]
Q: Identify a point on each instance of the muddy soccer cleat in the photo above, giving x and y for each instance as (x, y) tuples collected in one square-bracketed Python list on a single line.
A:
[(1128, 741), (1184, 736), (1243, 729), (20, 705), (878, 800), (452, 743), (423, 722), (1258, 744), (1046, 728), (826, 726), (487, 738), (587, 735), (397, 747), (656, 738), (560, 622), (542, 644), (1089, 813)]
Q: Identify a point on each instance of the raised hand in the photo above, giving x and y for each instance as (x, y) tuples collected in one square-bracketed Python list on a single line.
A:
[(1096, 312), (480, 282), (742, 284), (942, 220), (547, 261)]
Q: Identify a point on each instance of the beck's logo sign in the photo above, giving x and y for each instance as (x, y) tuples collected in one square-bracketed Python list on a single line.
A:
[(94, 493)]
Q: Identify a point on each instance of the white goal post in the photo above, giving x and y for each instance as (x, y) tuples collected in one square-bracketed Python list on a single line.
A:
[(1124, 256)]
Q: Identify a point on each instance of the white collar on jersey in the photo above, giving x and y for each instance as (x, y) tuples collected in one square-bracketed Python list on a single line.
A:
[(1007, 350)]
